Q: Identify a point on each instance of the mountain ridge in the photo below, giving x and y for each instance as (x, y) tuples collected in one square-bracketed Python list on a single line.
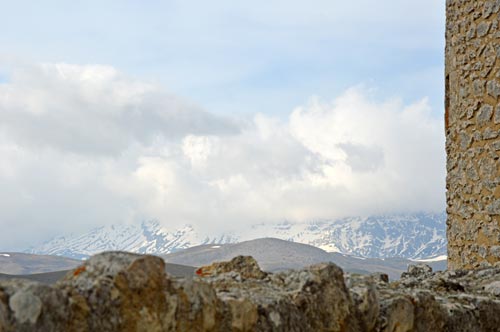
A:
[(411, 236), (275, 255)]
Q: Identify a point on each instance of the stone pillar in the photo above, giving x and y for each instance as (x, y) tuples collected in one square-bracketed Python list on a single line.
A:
[(472, 121)]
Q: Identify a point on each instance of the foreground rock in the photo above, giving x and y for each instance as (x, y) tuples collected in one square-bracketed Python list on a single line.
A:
[(126, 292)]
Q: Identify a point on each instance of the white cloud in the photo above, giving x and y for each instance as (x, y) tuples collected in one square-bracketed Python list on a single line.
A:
[(82, 146), (94, 109), (198, 148)]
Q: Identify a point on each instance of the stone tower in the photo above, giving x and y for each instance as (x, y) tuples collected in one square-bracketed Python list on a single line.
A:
[(472, 121)]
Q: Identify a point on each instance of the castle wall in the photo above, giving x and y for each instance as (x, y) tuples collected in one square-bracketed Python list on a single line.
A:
[(119, 291), (472, 121)]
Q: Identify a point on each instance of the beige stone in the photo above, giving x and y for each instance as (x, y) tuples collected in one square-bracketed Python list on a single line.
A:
[(472, 129)]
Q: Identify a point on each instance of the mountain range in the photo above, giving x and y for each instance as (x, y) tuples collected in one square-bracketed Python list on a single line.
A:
[(272, 255), (411, 236)]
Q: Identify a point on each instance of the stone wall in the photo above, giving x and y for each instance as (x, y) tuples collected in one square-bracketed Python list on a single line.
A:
[(472, 121), (127, 292)]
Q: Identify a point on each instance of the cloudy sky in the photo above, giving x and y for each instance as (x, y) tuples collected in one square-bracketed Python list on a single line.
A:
[(216, 114)]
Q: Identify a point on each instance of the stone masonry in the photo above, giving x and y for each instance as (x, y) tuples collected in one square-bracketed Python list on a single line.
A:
[(472, 122), (119, 291)]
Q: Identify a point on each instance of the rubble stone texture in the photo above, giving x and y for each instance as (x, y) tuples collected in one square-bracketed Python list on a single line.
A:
[(120, 291), (472, 121)]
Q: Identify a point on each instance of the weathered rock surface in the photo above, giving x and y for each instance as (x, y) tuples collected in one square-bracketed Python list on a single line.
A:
[(472, 123), (119, 291)]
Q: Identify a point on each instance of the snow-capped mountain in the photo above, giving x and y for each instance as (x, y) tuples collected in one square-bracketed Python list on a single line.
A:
[(415, 236), (412, 236), (147, 237)]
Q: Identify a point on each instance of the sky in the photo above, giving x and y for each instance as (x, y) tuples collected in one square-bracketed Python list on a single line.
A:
[(216, 114)]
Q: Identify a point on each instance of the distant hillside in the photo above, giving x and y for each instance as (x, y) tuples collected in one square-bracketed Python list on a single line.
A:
[(44, 278), (275, 255), (411, 236), (22, 263), (272, 254), (176, 270)]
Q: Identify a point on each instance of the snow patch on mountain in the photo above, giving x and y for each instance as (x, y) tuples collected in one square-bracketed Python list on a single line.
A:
[(433, 259)]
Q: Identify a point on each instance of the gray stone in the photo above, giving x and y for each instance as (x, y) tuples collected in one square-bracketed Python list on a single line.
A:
[(471, 33), (465, 140), (494, 207), (483, 252), (488, 9), (477, 135), (496, 6), (493, 288), (484, 114), (495, 251), (496, 117), (419, 270), (493, 88), (483, 28), (478, 87), (490, 134), (25, 306), (472, 173), (495, 146)]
